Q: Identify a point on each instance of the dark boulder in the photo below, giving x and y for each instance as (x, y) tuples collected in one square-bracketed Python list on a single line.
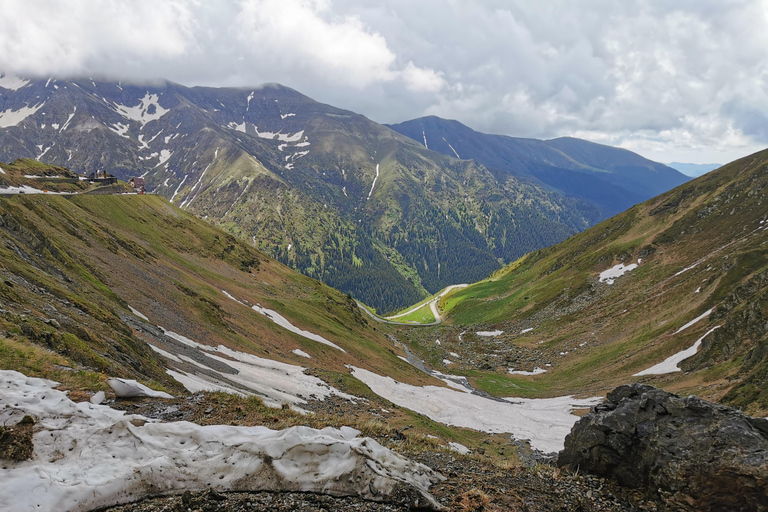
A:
[(702, 455)]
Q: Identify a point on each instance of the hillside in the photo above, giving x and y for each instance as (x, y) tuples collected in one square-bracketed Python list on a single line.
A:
[(91, 277), (324, 190), (615, 303), (612, 179)]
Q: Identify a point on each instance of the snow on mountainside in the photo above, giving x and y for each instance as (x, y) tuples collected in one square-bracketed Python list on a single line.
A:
[(324, 190)]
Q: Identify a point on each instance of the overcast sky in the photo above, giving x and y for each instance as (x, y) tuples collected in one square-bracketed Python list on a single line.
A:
[(675, 81)]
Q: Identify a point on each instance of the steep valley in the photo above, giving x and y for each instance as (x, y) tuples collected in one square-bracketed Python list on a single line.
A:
[(324, 190), (608, 306)]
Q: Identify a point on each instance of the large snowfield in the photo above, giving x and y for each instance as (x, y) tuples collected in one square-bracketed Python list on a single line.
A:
[(544, 422), (88, 456)]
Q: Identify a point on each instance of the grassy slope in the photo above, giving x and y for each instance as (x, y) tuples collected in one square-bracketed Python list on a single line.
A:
[(82, 260), (611, 332)]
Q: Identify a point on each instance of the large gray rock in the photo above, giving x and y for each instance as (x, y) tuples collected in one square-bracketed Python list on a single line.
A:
[(706, 456)]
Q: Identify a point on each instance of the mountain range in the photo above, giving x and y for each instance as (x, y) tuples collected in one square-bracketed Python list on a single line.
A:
[(327, 191), (612, 179)]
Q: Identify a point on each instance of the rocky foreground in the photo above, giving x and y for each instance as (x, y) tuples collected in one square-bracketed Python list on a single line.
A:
[(695, 454)]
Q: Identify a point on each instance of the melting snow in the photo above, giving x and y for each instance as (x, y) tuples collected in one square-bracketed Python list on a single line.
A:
[(91, 456), (283, 116), (13, 83), (66, 123), (700, 317), (179, 187), (238, 127), (14, 117), (454, 151), (301, 353), (425, 139), (164, 156), (526, 330), (284, 323), (458, 448), (544, 421), (24, 189), (374, 182), (536, 371), (248, 105), (686, 269), (2, 171), (140, 112), (670, 364), (489, 333), (120, 129), (610, 275), (138, 314)]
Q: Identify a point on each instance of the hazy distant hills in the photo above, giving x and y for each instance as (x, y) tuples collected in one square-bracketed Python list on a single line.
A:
[(613, 179), (324, 190), (694, 170)]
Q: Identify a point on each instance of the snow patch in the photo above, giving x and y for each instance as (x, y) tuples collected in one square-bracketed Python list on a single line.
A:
[(66, 123), (285, 324), (237, 127), (140, 112), (536, 371), (458, 448), (138, 314), (127, 388), (423, 134), (301, 353), (489, 334), (686, 269), (14, 117), (179, 187), (24, 189), (374, 182), (120, 129), (544, 421), (91, 456), (13, 83), (283, 116), (454, 151), (613, 273), (670, 364), (700, 317), (164, 156), (526, 330)]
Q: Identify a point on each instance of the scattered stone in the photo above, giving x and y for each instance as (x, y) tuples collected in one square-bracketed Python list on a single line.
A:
[(697, 454)]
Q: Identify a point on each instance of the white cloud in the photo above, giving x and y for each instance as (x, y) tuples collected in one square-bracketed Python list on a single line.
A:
[(663, 78)]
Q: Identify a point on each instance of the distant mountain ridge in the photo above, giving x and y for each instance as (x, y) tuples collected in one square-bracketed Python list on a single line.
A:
[(613, 179), (694, 170)]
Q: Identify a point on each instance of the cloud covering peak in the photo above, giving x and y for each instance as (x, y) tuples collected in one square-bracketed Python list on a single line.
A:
[(674, 81)]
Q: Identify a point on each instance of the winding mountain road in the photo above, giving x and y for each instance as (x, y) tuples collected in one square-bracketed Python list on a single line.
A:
[(432, 306)]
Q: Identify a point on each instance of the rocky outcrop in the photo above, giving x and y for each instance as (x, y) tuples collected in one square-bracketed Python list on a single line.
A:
[(702, 455)]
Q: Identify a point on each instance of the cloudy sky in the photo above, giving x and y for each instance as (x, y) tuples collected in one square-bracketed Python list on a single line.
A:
[(675, 81)]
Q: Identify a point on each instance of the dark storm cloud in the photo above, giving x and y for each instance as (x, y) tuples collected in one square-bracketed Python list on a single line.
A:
[(683, 80)]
